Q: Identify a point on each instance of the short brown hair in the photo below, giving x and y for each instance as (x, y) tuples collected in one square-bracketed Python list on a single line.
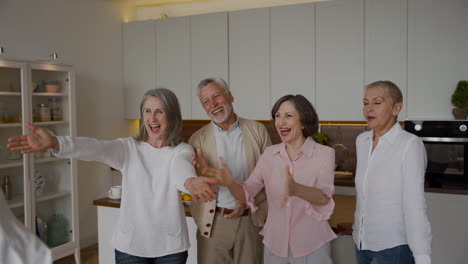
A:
[(173, 114), (391, 88), (307, 114)]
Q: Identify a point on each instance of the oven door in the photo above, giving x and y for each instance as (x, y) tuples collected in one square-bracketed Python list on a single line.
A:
[(446, 164)]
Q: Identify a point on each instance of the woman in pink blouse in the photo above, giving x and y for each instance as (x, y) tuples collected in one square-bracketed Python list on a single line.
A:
[(297, 175)]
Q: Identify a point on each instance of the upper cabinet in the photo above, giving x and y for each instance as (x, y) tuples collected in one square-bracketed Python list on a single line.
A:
[(340, 59), (139, 64), (386, 43), (173, 66), (209, 53), (292, 51), (326, 51), (249, 62), (437, 55)]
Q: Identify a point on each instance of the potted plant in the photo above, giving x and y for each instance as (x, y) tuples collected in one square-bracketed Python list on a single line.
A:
[(460, 100), (320, 138)]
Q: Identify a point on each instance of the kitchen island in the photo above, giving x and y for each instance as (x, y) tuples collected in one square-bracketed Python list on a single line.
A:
[(108, 212)]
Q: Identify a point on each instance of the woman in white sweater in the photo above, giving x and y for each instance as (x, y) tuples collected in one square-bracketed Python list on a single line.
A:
[(155, 166)]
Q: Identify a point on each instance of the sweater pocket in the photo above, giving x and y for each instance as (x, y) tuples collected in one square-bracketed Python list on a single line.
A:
[(174, 239)]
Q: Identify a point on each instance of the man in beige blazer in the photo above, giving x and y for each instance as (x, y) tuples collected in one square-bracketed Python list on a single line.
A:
[(228, 232)]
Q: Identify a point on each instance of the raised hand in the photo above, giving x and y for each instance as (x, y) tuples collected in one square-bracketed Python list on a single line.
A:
[(223, 175), (39, 140)]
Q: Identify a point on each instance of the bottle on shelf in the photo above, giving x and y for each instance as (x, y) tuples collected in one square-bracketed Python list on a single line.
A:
[(44, 113), (55, 111), (6, 187)]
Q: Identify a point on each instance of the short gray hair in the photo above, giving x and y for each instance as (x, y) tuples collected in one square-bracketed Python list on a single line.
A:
[(219, 81), (391, 88), (173, 115)]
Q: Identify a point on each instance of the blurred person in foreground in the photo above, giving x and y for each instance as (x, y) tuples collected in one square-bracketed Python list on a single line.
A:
[(298, 176), (17, 244), (390, 222), (155, 166)]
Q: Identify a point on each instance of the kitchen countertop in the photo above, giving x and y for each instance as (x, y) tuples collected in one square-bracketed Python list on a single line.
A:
[(341, 219)]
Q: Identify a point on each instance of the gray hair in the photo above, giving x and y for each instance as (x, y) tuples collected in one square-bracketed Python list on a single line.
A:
[(173, 115), (219, 81), (391, 88)]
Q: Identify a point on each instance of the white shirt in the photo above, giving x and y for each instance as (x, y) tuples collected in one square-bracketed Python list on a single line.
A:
[(17, 244), (230, 146), (152, 218), (390, 203)]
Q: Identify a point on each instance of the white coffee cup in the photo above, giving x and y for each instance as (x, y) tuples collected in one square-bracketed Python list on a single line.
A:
[(115, 191)]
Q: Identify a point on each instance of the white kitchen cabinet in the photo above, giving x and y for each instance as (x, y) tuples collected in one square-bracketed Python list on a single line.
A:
[(437, 55), (339, 59), (386, 43), (173, 67), (249, 62), (292, 51), (43, 188), (139, 64), (209, 53)]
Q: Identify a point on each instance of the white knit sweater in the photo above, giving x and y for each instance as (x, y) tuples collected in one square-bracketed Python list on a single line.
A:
[(152, 219)]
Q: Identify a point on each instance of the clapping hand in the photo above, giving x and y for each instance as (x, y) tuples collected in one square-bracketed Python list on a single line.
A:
[(223, 175), (39, 140), (289, 187), (199, 161)]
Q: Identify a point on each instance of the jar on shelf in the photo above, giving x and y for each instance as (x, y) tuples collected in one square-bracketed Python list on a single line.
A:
[(6, 187), (55, 110), (51, 86), (44, 113)]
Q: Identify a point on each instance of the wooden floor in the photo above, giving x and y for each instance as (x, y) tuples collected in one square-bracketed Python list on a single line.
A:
[(89, 255)]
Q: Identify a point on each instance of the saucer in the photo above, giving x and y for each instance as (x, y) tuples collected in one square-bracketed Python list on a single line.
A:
[(113, 197)]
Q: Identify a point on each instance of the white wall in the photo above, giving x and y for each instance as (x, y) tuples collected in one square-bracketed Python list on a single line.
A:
[(87, 35), (154, 12)]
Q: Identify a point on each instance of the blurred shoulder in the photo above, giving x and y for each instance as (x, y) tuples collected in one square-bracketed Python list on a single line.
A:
[(364, 135), (251, 123), (273, 149), (203, 130), (184, 147), (409, 138)]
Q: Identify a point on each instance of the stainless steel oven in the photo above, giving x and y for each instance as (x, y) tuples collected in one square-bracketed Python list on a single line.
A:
[(446, 145)]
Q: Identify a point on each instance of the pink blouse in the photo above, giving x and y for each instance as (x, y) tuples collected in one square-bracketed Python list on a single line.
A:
[(297, 224)]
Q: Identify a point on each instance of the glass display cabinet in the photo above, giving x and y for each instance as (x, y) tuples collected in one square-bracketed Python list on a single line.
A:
[(41, 190)]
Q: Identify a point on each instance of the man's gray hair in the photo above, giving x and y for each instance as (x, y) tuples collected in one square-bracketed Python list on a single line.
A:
[(219, 81)]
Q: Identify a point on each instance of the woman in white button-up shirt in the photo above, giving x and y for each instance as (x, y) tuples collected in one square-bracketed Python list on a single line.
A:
[(155, 166), (390, 222)]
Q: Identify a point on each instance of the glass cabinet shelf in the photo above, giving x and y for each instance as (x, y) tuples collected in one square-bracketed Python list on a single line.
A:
[(19, 163), (50, 123), (49, 94), (10, 93), (10, 124), (17, 201)]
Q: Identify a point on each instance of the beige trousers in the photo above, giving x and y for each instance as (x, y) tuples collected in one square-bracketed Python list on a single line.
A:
[(232, 241)]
